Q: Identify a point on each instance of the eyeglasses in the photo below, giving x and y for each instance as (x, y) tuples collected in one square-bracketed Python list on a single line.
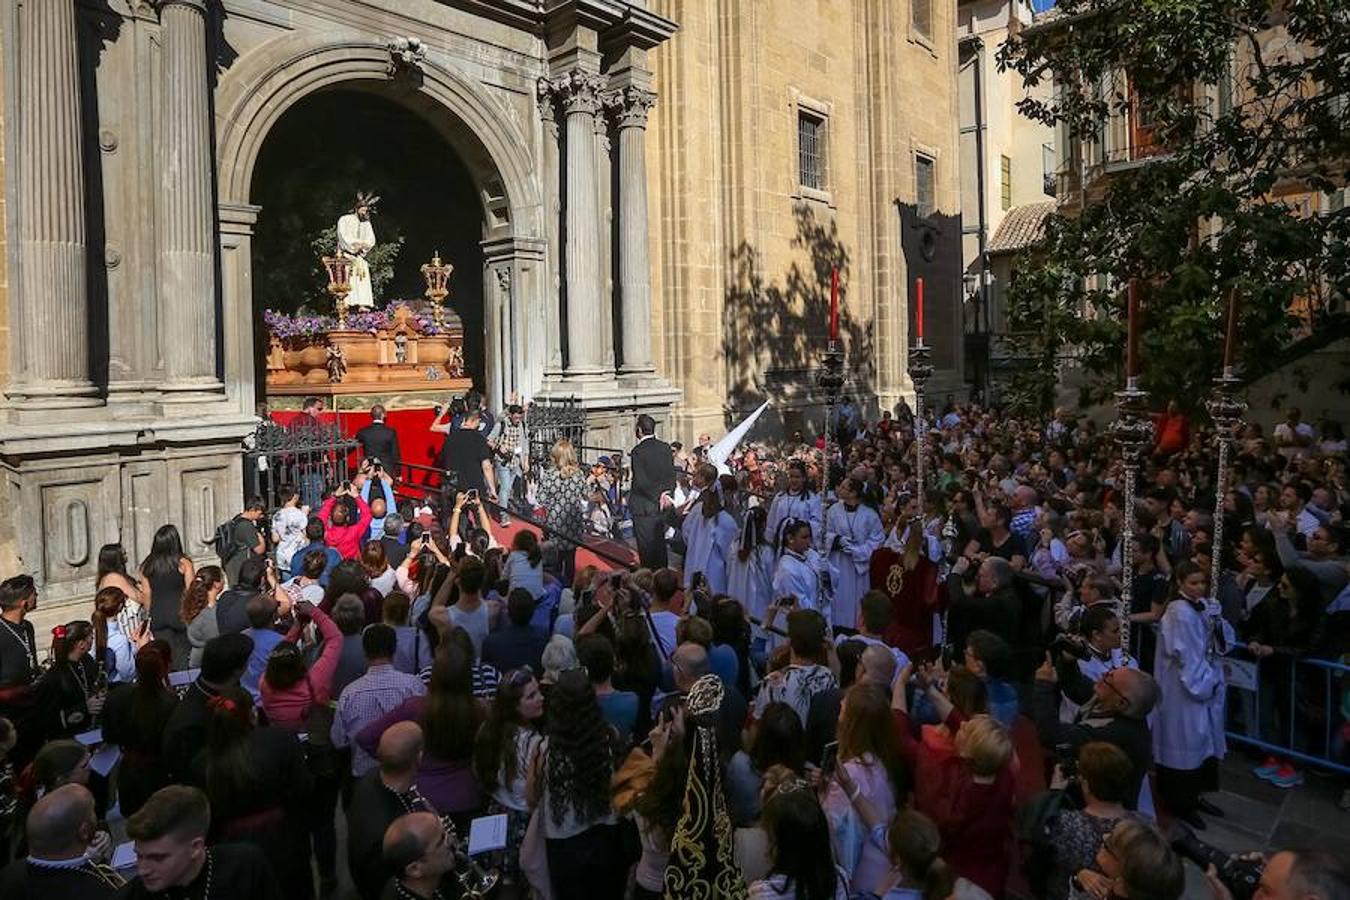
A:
[(1106, 680)]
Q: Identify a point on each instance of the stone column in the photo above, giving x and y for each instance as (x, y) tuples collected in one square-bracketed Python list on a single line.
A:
[(547, 95), (187, 251), (604, 237), (580, 93), (635, 287), (51, 325)]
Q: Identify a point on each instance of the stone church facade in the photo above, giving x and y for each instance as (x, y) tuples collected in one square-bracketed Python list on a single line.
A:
[(131, 129)]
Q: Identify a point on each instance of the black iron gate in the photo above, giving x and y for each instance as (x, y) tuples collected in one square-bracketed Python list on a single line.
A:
[(307, 458), (548, 423)]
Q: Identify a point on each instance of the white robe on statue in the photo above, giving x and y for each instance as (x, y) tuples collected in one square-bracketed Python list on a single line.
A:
[(800, 577), (751, 581), (355, 238), (860, 533), (1188, 723), (709, 543), (792, 506)]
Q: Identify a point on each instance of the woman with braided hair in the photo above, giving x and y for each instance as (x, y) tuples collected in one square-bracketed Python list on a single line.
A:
[(572, 784)]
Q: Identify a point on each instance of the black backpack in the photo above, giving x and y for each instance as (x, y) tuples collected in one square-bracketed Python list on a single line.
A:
[(224, 542)]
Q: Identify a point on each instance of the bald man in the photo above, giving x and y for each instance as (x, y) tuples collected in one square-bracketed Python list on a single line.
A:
[(60, 828), (688, 664), (1116, 711), (378, 799), (418, 854), (876, 665)]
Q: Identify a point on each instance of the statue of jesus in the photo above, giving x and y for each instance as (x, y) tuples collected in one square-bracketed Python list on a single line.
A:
[(356, 237)]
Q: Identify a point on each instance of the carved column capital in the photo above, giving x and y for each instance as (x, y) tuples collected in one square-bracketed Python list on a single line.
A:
[(630, 106), (195, 5), (579, 91), (547, 95)]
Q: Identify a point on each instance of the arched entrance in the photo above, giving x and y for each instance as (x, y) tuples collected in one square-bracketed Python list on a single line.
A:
[(333, 143), (284, 87)]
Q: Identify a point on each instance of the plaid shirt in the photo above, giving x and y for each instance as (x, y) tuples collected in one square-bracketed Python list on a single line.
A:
[(363, 701)]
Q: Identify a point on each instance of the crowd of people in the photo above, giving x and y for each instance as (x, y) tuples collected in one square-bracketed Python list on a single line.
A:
[(812, 686)]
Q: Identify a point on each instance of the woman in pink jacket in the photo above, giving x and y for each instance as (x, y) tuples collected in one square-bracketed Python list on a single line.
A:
[(297, 698)]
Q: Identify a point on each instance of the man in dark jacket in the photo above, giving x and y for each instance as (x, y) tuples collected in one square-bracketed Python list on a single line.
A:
[(1113, 709), (380, 441), (649, 498)]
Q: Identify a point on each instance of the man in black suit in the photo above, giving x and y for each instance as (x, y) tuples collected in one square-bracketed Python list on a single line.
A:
[(380, 441), (653, 482)]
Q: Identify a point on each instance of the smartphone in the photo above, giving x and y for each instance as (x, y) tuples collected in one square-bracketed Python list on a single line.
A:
[(471, 495), (787, 600), (425, 538), (615, 580), (829, 759)]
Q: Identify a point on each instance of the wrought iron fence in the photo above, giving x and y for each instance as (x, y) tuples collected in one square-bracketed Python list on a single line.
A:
[(1292, 708), (303, 457), (548, 423)]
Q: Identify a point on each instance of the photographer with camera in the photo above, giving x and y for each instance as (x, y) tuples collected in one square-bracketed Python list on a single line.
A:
[(1286, 875), (465, 453), (1115, 710), (1097, 649)]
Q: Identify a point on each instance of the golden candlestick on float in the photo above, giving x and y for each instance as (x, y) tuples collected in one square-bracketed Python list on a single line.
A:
[(339, 285), (437, 275)]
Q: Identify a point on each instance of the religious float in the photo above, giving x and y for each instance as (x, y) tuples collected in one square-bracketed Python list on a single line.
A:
[(407, 348)]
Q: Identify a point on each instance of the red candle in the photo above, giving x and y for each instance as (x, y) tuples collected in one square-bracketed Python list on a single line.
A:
[(834, 304), (1230, 340), (918, 308), (1132, 332)]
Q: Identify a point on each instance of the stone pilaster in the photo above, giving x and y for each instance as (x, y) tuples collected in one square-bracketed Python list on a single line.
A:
[(51, 316), (580, 94), (547, 96), (631, 105), (187, 244)]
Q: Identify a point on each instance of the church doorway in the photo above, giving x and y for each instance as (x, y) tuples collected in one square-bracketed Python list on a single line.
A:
[(319, 153)]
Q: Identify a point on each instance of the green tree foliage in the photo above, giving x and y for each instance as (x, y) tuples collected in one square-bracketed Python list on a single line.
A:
[(1251, 101)]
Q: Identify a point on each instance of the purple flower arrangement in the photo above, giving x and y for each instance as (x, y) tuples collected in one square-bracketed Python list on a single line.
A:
[(286, 327)]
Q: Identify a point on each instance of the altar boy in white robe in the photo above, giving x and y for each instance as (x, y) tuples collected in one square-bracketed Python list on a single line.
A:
[(853, 531), (709, 533), (1188, 739), (797, 572), (797, 502), (750, 565)]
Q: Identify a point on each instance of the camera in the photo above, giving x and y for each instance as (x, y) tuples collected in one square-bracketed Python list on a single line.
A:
[(1240, 876), (1071, 644)]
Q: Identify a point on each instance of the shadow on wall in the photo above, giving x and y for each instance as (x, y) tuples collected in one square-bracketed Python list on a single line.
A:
[(773, 331), (931, 246)]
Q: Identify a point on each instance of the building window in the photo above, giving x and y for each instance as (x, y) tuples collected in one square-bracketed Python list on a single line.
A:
[(1005, 181), (1048, 184), (921, 17), (924, 198), (811, 150)]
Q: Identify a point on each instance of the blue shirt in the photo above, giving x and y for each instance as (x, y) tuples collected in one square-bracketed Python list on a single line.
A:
[(620, 709), (331, 556), (264, 639)]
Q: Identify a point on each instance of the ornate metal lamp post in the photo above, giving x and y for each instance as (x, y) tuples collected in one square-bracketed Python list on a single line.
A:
[(1133, 434), (437, 275), (339, 285)]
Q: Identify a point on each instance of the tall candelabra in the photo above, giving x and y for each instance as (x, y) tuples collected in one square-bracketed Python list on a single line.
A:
[(1133, 434), (830, 381), (1226, 409), (920, 370), (339, 285), (437, 275)]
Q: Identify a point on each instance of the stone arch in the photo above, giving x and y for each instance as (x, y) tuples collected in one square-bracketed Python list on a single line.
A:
[(258, 90)]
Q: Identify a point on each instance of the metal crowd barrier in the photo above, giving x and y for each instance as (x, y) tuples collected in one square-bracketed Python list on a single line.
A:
[(1310, 725)]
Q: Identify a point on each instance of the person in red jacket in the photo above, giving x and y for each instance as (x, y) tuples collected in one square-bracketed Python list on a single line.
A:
[(971, 790), (342, 535)]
